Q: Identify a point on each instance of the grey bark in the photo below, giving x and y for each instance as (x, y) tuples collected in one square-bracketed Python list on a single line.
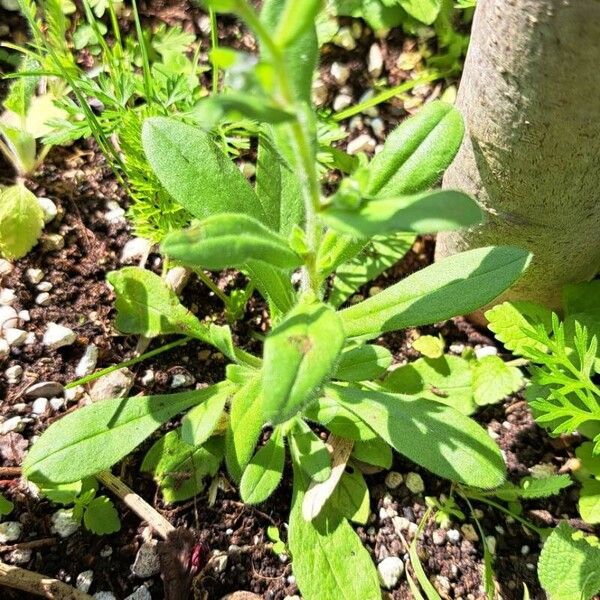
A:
[(530, 96)]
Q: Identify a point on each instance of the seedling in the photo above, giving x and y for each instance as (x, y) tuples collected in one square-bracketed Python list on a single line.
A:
[(317, 365)]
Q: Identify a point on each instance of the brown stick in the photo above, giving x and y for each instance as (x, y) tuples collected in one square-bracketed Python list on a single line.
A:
[(38, 584), (318, 493), (136, 503), (41, 543), (10, 472)]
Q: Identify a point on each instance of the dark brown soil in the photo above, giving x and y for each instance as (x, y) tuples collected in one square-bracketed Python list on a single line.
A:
[(78, 181)]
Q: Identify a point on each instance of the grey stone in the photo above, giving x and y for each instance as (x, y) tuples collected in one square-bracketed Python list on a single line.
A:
[(390, 571)]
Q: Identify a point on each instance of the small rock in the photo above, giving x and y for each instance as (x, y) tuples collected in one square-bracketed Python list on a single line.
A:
[(4, 348), (44, 286), (344, 38), (442, 585), (6, 267), (146, 563), (114, 385), (87, 363), (115, 212), (140, 593), (57, 336), (491, 542), (367, 95), (294, 597), (104, 596), (219, 561), (7, 296), (184, 379), (378, 127), (243, 596), (9, 319), (393, 479), (45, 389), (52, 242), (15, 337), (49, 208), (30, 339), (84, 581), (320, 92), (13, 374), (74, 393), (24, 315), (341, 101), (362, 143), (42, 299), (438, 537), (10, 531), (63, 523), (34, 276), (19, 556), (56, 403), (136, 248), (414, 482), (453, 535), (375, 64), (340, 73), (16, 424), (148, 377), (469, 532), (485, 351), (390, 570), (39, 406)]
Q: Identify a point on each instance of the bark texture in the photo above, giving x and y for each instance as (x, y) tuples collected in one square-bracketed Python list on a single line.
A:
[(530, 96)]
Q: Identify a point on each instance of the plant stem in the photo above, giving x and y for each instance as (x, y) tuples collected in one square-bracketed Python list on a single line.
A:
[(302, 148), (128, 363), (212, 286), (214, 44)]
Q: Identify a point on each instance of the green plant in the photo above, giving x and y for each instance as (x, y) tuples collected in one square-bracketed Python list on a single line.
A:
[(97, 513), (564, 362), (316, 365), (6, 506)]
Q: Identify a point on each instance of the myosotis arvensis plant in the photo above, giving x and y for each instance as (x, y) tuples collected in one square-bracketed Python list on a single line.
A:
[(317, 365)]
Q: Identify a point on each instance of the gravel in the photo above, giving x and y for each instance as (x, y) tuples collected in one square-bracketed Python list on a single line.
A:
[(390, 570), (57, 336)]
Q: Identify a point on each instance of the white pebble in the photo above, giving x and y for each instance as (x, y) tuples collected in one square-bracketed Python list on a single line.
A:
[(63, 523), (84, 581), (375, 64), (19, 556), (344, 38), (57, 336), (340, 73), (115, 212), (4, 348), (34, 276), (140, 593), (39, 406), (393, 479), (319, 92), (15, 337), (182, 380), (10, 531), (7, 296), (16, 424), (453, 535), (104, 596), (6, 267), (87, 363), (362, 143), (49, 208), (113, 385), (42, 299), (135, 248), (341, 101), (44, 286), (9, 318), (525, 550), (13, 374), (485, 351), (378, 127), (414, 482), (24, 315), (146, 563), (30, 339), (56, 403), (148, 377), (52, 242), (390, 570), (491, 542), (469, 532)]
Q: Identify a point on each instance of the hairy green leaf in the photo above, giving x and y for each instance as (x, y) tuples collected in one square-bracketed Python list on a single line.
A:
[(363, 362), (454, 286), (429, 212), (195, 171), (300, 353), (235, 106), (330, 561), (417, 152), (309, 452), (100, 434), (568, 565), (21, 221), (494, 380), (351, 496), (264, 471), (229, 240), (375, 452), (433, 435)]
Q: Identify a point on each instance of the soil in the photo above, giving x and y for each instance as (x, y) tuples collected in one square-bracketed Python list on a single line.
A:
[(78, 180)]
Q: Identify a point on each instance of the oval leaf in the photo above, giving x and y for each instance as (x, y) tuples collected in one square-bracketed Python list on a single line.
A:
[(417, 152), (454, 286), (299, 354), (264, 471), (362, 363), (309, 452), (229, 240), (101, 434), (443, 210), (429, 433), (194, 170)]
